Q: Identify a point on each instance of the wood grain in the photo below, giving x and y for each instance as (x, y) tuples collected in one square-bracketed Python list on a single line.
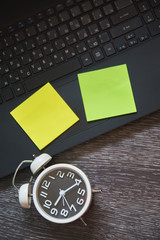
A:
[(125, 165)]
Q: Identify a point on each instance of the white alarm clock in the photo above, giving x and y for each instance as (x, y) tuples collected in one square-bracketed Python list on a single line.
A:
[(62, 193)]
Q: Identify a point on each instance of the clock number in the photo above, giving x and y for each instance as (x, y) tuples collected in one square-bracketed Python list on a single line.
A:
[(60, 174), (81, 191), (45, 184), (64, 212), (47, 204), (70, 174), (80, 201), (54, 211), (43, 194), (78, 181), (73, 207)]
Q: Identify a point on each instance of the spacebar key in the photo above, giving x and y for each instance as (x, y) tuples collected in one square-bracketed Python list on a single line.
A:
[(57, 72)]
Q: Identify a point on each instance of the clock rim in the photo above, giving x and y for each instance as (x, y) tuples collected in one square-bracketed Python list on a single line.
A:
[(88, 198)]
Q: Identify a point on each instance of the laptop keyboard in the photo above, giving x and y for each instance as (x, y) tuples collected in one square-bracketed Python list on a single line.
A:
[(69, 36)]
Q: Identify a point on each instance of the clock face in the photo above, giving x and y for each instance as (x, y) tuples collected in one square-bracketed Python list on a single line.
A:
[(62, 193)]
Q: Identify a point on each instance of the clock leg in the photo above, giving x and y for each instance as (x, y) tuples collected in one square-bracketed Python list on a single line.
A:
[(85, 224), (96, 190)]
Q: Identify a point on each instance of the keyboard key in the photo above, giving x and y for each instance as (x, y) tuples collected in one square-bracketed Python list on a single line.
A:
[(109, 49), (11, 29), (92, 42), (7, 94), (19, 36), (40, 16), (9, 41), (144, 37), (132, 42), (70, 52), (104, 24), (7, 54), (154, 27), (97, 14), (21, 25), (122, 3), (18, 89), (26, 59), (30, 44), (25, 72), (97, 54), (3, 82), (41, 39), (75, 11), (36, 67), (143, 6), (74, 24), (18, 49), (31, 31), (53, 21), (13, 77), (47, 62), (93, 29), (37, 53), (42, 26), (71, 39), (124, 14), (53, 74), (85, 19), (86, 6), (59, 44), (129, 36), (52, 34), (58, 57), (64, 16), (122, 47), (104, 37), (148, 17), (63, 29), (15, 63), (108, 9), (4, 68), (82, 34), (50, 11), (81, 47), (48, 49), (30, 20), (86, 59), (125, 27)]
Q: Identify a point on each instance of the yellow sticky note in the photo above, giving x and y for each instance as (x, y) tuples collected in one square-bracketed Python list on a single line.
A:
[(44, 116)]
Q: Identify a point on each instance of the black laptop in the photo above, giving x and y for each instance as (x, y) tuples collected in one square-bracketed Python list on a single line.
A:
[(53, 41)]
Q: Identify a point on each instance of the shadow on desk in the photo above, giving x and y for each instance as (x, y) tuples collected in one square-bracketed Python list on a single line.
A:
[(125, 165)]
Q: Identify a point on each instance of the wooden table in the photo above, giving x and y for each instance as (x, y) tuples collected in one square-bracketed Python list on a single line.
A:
[(125, 165)]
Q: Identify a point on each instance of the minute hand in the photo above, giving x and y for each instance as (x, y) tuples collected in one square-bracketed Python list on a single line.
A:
[(70, 187)]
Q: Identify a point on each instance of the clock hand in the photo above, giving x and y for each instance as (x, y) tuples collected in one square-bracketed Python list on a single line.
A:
[(70, 187), (70, 207), (61, 193), (66, 201)]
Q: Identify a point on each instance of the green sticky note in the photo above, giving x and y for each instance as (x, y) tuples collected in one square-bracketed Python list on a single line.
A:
[(107, 93)]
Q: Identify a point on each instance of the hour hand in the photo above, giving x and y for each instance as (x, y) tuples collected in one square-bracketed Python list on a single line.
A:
[(61, 193)]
